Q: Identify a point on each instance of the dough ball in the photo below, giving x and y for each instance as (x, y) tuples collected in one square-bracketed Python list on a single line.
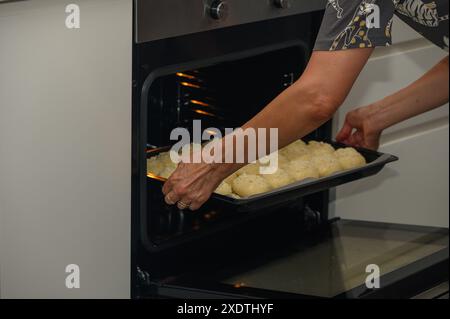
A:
[(235, 196), (320, 148), (349, 158), (249, 185), (307, 157), (283, 160), (351, 162), (301, 169), (224, 189), (326, 164), (167, 160), (155, 166), (230, 179), (344, 152), (251, 169), (161, 165), (298, 143), (295, 150), (265, 162), (279, 179)]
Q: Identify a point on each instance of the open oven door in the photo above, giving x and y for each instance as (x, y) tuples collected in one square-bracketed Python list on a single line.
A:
[(279, 258)]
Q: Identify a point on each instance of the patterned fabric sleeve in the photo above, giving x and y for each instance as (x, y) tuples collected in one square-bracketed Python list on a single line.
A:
[(350, 24)]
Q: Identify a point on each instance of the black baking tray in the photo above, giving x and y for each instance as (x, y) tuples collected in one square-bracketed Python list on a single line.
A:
[(376, 161)]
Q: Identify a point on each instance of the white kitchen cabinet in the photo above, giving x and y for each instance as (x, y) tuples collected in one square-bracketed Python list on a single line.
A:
[(65, 144), (414, 190), (411, 191)]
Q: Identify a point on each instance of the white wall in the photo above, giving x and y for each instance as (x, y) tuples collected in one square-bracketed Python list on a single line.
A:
[(65, 145), (414, 190)]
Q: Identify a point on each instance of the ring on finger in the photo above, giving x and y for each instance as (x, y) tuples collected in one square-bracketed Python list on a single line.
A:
[(182, 205)]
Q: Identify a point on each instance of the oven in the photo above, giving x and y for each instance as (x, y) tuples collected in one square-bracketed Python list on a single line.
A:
[(220, 62)]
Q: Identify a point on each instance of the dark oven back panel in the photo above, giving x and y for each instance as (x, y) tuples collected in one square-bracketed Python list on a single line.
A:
[(224, 95)]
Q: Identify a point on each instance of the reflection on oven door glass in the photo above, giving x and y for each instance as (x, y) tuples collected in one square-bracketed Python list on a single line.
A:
[(338, 265)]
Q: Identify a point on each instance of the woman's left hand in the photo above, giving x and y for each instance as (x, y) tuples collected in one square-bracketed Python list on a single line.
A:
[(191, 185)]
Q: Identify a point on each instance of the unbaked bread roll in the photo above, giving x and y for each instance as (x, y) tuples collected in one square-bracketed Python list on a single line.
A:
[(299, 143), (279, 179), (295, 150), (326, 164), (161, 165), (306, 157), (349, 158), (166, 159), (302, 169), (320, 148), (266, 164), (235, 196), (155, 166), (344, 152), (282, 160), (224, 189), (230, 179), (249, 185), (251, 169)]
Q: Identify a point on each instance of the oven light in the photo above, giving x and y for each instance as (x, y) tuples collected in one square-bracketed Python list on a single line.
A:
[(184, 75), (204, 113), (196, 102), (153, 176), (239, 285), (187, 84), (211, 132)]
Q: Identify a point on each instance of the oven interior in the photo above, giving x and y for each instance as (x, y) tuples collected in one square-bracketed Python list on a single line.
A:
[(224, 95), (221, 95)]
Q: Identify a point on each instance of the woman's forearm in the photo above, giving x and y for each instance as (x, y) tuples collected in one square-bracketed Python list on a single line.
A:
[(312, 100), (427, 93), (294, 113)]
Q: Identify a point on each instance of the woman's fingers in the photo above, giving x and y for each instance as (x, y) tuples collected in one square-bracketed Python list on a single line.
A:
[(167, 188), (183, 205), (171, 198), (345, 133), (191, 185)]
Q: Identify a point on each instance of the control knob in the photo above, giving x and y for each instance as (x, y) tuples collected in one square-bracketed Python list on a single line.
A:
[(219, 10), (282, 4)]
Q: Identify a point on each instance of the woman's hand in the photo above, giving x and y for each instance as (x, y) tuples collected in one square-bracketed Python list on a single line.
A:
[(191, 185), (363, 127), (359, 129)]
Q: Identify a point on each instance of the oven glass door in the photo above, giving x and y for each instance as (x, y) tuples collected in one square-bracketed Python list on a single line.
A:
[(335, 263)]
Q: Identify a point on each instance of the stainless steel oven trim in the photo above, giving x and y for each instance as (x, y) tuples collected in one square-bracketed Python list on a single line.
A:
[(156, 20)]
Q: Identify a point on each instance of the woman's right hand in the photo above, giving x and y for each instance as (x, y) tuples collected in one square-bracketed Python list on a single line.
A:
[(360, 130)]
